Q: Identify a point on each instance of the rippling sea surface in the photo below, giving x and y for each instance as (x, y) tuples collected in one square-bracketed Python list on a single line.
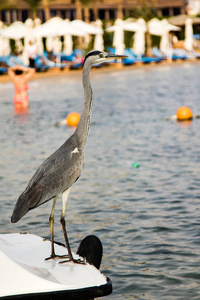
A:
[(148, 218)]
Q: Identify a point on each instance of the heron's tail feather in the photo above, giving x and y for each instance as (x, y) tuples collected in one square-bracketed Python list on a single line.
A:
[(26, 201), (19, 211)]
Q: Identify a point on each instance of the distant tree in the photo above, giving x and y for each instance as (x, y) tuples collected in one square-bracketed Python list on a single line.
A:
[(86, 4), (146, 9), (33, 5)]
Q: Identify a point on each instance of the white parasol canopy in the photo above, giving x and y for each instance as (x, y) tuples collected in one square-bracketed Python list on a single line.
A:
[(98, 41), (29, 31), (4, 42), (50, 43), (68, 43), (118, 28), (27, 38), (49, 28), (164, 43), (162, 28), (18, 45), (118, 38), (69, 28), (128, 26), (15, 31), (57, 27), (57, 45), (156, 26), (139, 37), (86, 28), (188, 43), (38, 39)]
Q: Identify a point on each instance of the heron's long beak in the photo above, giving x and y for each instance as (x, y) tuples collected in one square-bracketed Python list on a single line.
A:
[(115, 56)]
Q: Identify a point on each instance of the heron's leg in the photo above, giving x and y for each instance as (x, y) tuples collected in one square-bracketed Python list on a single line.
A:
[(51, 222), (62, 221)]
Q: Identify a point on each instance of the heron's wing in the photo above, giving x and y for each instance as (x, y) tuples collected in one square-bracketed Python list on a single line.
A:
[(57, 173)]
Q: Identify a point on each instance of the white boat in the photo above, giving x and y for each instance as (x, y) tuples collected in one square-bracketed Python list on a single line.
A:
[(25, 274)]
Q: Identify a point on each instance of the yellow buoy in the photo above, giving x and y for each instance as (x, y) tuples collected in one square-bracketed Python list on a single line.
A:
[(73, 119), (184, 113)]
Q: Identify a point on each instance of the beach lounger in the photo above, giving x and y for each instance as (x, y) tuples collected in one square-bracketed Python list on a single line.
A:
[(143, 59)]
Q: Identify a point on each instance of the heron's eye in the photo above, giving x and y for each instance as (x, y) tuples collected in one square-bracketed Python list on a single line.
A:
[(101, 55)]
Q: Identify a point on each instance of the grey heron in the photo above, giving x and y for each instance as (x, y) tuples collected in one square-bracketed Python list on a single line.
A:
[(59, 171)]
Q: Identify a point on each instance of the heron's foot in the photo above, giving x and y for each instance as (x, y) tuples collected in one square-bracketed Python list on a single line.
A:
[(56, 256), (81, 261)]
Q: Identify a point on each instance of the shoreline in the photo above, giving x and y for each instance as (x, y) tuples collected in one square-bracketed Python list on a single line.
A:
[(52, 72)]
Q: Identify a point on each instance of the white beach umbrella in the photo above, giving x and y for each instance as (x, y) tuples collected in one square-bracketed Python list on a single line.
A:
[(85, 27), (15, 31), (98, 41), (188, 43), (128, 26), (1, 25), (68, 44), (155, 26), (4, 42), (38, 39), (50, 28), (118, 28), (70, 28), (27, 38), (50, 43), (29, 32), (70, 31), (118, 37), (57, 27), (88, 29), (162, 28), (172, 27), (1, 38), (139, 37), (57, 45), (164, 43), (18, 45)]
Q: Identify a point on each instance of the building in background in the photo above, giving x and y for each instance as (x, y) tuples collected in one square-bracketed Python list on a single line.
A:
[(11, 11)]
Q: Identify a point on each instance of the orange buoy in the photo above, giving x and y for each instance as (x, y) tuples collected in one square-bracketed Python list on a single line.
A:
[(184, 113), (73, 119)]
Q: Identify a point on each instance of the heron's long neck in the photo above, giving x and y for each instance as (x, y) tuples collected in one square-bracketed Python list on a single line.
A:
[(83, 125)]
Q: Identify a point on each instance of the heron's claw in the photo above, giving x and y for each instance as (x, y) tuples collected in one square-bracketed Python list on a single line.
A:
[(57, 256), (75, 261)]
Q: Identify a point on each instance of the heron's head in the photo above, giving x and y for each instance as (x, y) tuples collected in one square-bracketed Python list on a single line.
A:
[(98, 57)]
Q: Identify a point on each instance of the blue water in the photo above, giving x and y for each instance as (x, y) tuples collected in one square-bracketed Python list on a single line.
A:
[(148, 218)]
